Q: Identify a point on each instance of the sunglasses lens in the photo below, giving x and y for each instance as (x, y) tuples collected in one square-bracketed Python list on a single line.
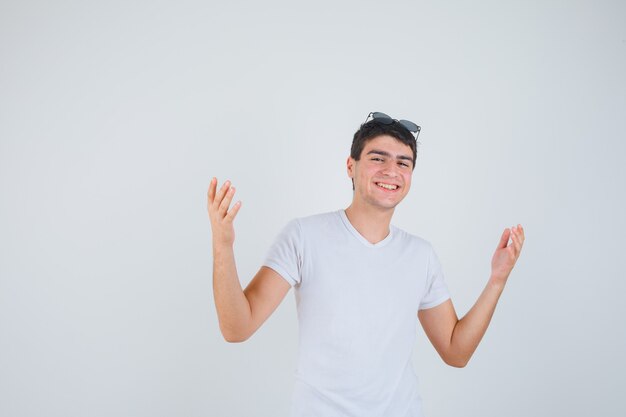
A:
[(412, 127), (382, 117)]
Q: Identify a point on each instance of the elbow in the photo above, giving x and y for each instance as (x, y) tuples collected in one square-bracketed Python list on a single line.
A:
[(456, 361), (234, 337), (457, 364)]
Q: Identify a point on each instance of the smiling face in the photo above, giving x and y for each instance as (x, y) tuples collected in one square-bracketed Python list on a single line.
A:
[(382, 175)]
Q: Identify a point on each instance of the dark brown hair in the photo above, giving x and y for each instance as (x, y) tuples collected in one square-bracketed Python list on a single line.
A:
[(373, 129)]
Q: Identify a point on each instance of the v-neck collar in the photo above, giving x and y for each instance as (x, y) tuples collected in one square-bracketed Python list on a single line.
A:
[(359, 236)]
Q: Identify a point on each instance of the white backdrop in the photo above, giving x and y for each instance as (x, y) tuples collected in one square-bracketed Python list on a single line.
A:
[(115, 115)]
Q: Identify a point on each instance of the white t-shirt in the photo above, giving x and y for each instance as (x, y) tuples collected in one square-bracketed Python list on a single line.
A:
[(357, 308)]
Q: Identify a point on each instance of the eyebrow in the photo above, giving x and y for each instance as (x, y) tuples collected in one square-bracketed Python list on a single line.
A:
[(387, 154)]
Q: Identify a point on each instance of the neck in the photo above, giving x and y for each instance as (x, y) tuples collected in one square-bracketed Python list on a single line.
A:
[(371, 222)]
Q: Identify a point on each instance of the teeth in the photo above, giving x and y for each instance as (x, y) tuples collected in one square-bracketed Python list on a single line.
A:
[(387, 186)]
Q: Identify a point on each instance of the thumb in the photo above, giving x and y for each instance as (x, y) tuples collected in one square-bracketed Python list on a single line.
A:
[(504, 239)]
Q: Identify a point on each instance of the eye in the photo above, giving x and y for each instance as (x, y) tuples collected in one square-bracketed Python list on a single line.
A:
[(404, 164), (377, 159)]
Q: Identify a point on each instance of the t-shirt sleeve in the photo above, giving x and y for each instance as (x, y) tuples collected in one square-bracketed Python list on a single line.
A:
[(436, 289), (285, 254)]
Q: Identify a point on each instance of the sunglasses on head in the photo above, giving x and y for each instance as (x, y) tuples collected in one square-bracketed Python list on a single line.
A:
[(387, 120)]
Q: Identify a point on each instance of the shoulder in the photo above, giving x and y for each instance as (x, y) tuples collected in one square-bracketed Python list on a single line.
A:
[(317, 220), (315, 226), (410, 239)]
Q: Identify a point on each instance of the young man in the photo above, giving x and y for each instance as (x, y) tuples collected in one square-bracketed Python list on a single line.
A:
[(360, 285)]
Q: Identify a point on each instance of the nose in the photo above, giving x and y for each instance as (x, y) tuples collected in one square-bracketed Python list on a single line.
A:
[(390, 169)]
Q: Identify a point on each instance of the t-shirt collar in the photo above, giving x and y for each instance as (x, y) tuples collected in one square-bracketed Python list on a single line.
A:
[(359, 236)]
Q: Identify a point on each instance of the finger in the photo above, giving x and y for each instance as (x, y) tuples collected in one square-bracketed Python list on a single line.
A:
[(223, 208), (519, 234), (504, 239), (516, 242), (220, 194), (230, 216), (211, 194)]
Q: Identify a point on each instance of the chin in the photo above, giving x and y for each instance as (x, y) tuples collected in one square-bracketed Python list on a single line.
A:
[(385, 205)]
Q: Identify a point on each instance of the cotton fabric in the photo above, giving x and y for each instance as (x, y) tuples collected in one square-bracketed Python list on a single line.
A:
[(357, 305)]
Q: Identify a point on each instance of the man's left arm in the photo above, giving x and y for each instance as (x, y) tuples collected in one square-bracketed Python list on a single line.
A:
[(456, 340)]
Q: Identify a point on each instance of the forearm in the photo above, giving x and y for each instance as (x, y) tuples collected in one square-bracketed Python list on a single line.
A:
[(456, 340), (469, 331), (233, 308)]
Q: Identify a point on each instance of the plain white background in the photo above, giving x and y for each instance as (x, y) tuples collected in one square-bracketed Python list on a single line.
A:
[(115, 115)]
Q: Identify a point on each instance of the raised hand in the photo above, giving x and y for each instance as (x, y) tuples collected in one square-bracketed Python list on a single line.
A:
[(221, 216), (506, 256)]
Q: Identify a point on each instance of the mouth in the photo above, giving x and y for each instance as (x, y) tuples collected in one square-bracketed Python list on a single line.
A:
[(387, 187)]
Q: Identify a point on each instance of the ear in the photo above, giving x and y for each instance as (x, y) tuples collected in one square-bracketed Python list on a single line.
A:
[(350, 167)]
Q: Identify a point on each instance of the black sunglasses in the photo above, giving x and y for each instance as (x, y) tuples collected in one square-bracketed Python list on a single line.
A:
[(383, 118)]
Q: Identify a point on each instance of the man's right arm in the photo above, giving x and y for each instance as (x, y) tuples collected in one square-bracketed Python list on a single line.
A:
[(240, 312)]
